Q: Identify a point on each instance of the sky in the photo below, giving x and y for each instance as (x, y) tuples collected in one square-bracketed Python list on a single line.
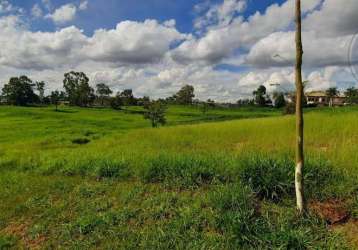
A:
[(224, 48)]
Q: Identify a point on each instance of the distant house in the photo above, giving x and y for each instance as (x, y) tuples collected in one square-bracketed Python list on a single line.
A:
[(320, 98)]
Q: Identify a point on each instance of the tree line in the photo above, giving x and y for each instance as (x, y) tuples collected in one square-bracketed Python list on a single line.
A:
[(22, 91)]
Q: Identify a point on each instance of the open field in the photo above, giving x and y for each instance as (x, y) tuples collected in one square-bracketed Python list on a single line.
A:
[(98, 178)]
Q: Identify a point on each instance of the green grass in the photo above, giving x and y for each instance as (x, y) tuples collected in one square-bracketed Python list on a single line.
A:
[(98, 178)]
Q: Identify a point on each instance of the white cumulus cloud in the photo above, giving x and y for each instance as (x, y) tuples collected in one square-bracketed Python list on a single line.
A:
[(63, 14)]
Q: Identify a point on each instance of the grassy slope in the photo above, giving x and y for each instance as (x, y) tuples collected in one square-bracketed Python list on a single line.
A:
[(41, 201)]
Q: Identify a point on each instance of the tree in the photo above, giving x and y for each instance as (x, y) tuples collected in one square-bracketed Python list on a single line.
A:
[(352, 95), (77, 88), (103, 91), (204, 107), (279, 99), (55, 98), (116, 102), (331, 93), (300, 199), (155, 112), (40, 87), (185, 95), (127, 97), (260, 96), (19, 91)]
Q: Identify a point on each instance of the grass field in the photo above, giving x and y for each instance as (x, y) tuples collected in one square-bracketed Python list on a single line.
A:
[(103, 179)]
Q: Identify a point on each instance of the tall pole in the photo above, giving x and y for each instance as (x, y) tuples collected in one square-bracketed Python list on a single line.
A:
[(299, 115)]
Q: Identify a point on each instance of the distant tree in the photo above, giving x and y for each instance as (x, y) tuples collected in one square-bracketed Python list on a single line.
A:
[(204, 107), (331, 93), (116, 102), (155, 112), (259, 95), (103, 91), (279, 100), (127, 97), (19, 91), (352, 95), (146, 101), (185, 95), (76, 85), (211, 103), (55, 98), (171, 99), (40, 87)]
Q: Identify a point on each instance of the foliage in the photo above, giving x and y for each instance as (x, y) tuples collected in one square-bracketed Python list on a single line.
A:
[(19, 91), (116, 102), (155, 112), (103, 91), (259, 94), (185, 95), (127, 97), (56, 97), (331, 93), (279, 100), (76, 85), (40, 87), (352, 95)]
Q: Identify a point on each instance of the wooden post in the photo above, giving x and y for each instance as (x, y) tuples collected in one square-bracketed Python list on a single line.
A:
[(299, 115)]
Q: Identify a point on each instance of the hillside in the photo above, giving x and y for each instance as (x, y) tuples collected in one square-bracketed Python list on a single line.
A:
[(89, 178)]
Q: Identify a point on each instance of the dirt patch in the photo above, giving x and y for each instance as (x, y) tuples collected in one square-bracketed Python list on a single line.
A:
[(333, 211), (19, 230)]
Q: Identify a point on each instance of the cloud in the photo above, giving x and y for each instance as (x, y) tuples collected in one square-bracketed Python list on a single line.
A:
[(133, 42), (63, 14), (333, 18), (219, 14), (36, 11), (6, 7), (47, 4), (222, 40), (129, 43), (24, 49), (154, 58), (278, 50), (83, 5)]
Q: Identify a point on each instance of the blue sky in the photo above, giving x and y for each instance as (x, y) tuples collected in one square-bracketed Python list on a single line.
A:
[(106, 14), (224, 48)]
